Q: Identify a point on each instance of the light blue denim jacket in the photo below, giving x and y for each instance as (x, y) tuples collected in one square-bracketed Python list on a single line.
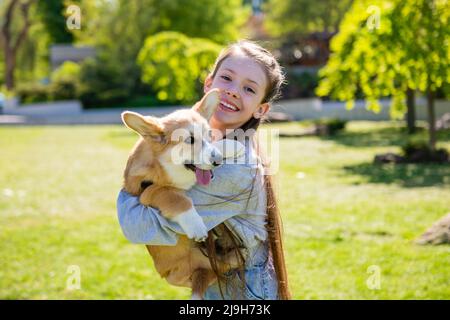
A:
[(245, 215)]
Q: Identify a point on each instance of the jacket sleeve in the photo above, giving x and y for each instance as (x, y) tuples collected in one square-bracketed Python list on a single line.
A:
[(142, 224)]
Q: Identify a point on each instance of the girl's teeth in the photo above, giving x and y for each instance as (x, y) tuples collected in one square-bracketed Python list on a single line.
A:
[(228, 106)]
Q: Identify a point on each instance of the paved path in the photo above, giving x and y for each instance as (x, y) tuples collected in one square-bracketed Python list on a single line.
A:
[(71, 113)]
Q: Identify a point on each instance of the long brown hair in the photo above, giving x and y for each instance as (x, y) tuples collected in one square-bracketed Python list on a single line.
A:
[(274, 227)]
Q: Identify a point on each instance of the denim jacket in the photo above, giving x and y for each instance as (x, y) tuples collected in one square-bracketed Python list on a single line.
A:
[(244, 214)]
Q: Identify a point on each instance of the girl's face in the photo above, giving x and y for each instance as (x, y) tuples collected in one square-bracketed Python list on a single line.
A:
[(243, 84)]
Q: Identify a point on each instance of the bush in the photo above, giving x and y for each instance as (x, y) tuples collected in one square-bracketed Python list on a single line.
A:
[(413, 145), (65, 81), (63, 90), (300, 85), (332, 125), (417, 150), (175, 65), (101, 84), (68, 71), (33, 93), (144, 101)]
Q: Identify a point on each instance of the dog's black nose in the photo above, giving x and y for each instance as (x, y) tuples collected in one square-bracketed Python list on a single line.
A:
[(215, 164)]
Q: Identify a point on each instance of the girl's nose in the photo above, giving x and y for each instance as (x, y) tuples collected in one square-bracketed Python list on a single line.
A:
[(232, 93)]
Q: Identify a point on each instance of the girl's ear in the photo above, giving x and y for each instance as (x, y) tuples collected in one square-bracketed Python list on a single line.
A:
[(207, 84), (261, 110)]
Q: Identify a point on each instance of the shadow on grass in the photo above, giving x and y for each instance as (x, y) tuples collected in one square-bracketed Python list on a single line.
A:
[(383, 137), (405, 175)]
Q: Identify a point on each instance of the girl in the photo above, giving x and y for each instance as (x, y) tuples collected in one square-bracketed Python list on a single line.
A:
[(240, 202)]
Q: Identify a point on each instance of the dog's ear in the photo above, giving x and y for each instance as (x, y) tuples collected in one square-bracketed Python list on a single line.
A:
[(209, 103), (145, 126)]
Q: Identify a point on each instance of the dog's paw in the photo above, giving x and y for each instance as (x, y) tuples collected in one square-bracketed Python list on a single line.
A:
[(192, 224)]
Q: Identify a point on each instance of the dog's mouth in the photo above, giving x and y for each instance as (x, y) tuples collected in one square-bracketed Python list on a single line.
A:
[(203, 176)]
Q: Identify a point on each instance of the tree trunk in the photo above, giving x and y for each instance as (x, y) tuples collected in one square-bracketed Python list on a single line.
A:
[(11, 47), (431, 119), (411, 112), (10, 64)]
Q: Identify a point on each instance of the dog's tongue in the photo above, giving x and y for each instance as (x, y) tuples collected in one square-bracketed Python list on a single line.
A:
[(203, 176)]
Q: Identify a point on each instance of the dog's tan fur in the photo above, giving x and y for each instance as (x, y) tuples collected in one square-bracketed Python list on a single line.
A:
[(183, 264)]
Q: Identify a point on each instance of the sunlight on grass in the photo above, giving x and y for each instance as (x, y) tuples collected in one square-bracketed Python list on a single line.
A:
[(58, 188)]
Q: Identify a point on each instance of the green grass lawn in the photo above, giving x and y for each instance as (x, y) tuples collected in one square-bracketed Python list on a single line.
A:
[(58, 187)]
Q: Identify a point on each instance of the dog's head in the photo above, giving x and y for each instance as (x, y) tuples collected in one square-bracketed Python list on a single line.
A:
[(180, 141)]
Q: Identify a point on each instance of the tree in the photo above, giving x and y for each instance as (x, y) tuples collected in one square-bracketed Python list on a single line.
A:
[(428, 49), (175, 65), (52, 15), (392, 59), (217, 20), (118, 28), (287, 18), (10, 44)]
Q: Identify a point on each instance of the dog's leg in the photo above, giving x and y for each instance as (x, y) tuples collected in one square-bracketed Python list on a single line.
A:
[(201, 278), (176, 206)]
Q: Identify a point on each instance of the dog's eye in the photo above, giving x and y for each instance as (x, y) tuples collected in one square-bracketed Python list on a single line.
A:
[(190, 140)]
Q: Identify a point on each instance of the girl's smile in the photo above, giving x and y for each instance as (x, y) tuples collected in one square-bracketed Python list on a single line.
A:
[(228, 106)]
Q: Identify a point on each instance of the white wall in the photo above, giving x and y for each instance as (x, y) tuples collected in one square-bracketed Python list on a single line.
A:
[(314, 108)]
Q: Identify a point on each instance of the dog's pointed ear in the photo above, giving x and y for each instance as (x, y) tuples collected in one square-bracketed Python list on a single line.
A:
[(209, 103), (145, 126)]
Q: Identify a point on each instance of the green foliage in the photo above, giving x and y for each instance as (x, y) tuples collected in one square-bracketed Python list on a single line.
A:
[(413, 144), (417, 148), (386, 61), (218, 20), (65, 81), (32, 55), (52, 15), (333, 125), (101, 84), (174, 65), (63, 90), (118, 31), (64, 86), (68, 71), (300, 84), (31, 92), (148, 100), (290, 18)]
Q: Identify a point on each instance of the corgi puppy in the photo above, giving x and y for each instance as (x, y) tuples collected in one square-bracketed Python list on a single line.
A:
[(172, 154)]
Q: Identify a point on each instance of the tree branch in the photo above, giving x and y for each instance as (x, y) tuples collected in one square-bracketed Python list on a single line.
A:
[(6, 35), (25, 9)]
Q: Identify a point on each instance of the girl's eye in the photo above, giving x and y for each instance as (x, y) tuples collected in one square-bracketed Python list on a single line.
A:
[(227, 78), (249, 89), (190, 140)]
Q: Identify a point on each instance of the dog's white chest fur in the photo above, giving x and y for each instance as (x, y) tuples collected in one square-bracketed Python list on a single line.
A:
[(179, 175)]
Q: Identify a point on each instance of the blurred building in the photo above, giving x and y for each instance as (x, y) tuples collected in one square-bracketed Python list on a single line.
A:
[(60, 53)]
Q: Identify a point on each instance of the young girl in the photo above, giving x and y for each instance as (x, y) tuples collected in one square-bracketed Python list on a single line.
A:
[(239, 201)]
